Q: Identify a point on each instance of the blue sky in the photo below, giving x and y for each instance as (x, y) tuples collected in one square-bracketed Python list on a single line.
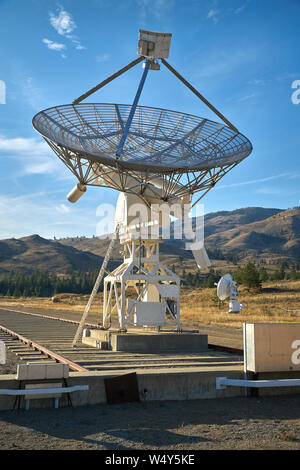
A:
[(242, 55)]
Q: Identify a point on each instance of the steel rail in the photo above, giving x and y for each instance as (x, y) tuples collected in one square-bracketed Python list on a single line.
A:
[(216, 347), (228, 349), (46, 351)]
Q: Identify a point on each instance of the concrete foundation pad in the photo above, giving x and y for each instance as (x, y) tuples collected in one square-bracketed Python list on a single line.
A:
[(153, 385), (147, 341), (193, 377), (159, 342)]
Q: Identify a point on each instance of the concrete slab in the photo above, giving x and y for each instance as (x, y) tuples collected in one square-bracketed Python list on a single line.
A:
[(95, 343), (159, 342), (153, 385), (146, 341)]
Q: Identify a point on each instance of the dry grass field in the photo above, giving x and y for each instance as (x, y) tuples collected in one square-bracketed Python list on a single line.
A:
[(277, 302)]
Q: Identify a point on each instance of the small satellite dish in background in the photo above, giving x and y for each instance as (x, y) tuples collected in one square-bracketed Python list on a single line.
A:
[(226, 288)]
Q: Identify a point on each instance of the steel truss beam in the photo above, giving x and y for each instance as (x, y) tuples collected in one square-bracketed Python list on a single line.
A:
[(174, 184)]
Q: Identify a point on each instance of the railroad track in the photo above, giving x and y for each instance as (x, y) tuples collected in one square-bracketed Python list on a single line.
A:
[(39, 338)]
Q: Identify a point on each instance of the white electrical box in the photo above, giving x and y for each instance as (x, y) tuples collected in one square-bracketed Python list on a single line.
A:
[(171, 291), (154, 45), (2, 353), (150, 314), (272, 347)]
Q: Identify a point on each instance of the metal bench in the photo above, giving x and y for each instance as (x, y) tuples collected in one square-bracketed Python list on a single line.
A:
[(41, 392), (42, 371)]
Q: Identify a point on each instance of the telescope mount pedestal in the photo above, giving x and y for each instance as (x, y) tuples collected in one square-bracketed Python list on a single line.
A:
[(142, 291)]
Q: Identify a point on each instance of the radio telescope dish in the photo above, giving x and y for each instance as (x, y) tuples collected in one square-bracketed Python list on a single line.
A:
[(223, 287), (226, 288), (159, 140), (193, 151), (151, 154), (131, 147)]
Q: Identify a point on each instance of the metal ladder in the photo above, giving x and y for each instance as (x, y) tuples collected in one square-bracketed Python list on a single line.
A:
[(96, 287)]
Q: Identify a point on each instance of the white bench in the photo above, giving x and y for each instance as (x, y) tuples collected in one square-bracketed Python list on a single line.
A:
[(42, 371), (41, 392)]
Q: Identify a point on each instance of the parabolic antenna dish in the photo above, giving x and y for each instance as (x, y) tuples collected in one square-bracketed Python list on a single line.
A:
[(158, 141), (223, 287), (139, 149)]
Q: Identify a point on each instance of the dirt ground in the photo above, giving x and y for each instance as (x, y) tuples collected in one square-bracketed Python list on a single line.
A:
[(264, 423)]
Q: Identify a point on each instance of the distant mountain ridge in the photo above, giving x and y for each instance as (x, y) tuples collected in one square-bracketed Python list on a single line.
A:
[(279, 233), (226, 220), (32, 253), (253, 230)]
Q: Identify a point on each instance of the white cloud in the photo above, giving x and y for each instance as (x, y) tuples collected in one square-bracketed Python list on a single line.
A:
[(213, 15), (63, 22), (79, 47), (55, 46), (31, 92), (256, 81), (270, 191), (75, 41), (23, 145), (261, 180), (62, 209), (33, 156), (24, 215), (39, 168), (248, 97), (240, 9)]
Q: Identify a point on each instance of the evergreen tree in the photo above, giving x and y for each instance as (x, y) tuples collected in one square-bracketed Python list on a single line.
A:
[(249, 276), (17, 292), (293, 274), (263, 275)]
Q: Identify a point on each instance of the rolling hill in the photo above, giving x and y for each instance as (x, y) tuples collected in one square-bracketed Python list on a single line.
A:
[(279, 233), (227, 220), (36, 253), (255, 229), (249, 232)]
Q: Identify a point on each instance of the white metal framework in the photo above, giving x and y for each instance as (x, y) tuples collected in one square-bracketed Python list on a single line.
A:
[(142, 291), (96, 287)]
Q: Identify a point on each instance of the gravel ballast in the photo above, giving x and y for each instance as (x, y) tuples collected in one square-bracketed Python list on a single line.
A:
[(232, 423)]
